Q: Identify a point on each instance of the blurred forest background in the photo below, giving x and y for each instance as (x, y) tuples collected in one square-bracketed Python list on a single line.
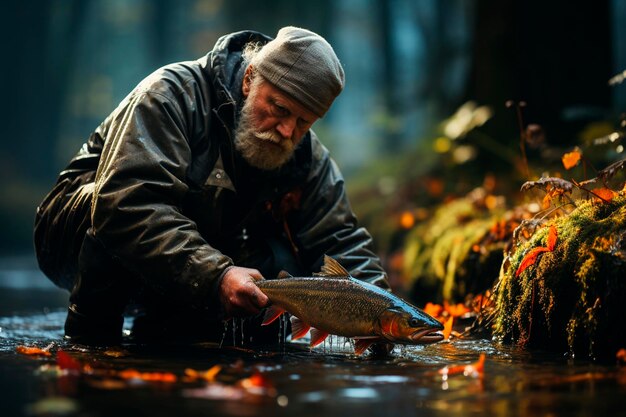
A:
[(410, 64)]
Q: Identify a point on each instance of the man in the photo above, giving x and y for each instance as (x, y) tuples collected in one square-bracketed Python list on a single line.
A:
[(205, 178)]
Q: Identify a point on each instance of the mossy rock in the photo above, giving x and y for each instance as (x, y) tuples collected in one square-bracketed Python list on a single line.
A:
[(573, 298), (452, 254)]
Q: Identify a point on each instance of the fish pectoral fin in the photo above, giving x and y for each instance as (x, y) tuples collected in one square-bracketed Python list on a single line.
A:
[(298, 328), (271, 314), (361, 345), (317, 337)]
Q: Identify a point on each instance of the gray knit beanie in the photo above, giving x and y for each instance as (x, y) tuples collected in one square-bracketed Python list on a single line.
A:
[(302, 64)]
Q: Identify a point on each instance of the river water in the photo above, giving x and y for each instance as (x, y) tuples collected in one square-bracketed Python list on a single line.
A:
[(282, 379)]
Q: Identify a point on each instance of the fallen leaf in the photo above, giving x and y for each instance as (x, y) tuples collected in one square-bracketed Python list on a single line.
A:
[(552, 238), (208, 375), (32, 351), (65, 361), (258, 384), (475, 369), (531, 257), (116, 353), (604, 195), (147, 376)]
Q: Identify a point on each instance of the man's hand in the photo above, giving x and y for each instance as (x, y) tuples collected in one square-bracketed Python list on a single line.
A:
[(239, 294)]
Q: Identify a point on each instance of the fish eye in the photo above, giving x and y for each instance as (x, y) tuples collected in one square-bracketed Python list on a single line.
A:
[(414, 322)]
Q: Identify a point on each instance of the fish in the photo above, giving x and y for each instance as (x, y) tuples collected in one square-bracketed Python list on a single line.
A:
[(334, 302)]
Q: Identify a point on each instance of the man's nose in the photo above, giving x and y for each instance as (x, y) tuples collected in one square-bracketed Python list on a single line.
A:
[(286, 127)]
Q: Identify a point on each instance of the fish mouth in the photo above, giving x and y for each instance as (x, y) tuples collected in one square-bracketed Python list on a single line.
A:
[(427, 336)]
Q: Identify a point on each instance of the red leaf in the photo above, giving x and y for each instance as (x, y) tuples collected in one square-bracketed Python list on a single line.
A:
[(552, 237), (531, 257), (475, 369), (604, 194), (32, 351), (65, 361)]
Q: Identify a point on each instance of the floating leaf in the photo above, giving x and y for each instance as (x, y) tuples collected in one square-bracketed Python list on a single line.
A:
[(571, 159), (474, 370), (147, 376), (32, 351), (65, 361), (208, 375)]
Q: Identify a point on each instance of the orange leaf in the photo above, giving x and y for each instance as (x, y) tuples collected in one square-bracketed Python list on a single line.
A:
[(529, 259), (571, 159), (32, 351), (473, 369), (206, 375), (456, 310), (147, 376), (552, 237), (604, 194), (256, 380), (65, 361), (447, 328), (433, 309), (407, 220)]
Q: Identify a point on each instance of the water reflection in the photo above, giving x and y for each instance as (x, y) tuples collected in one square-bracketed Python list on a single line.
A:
[(287, 378)]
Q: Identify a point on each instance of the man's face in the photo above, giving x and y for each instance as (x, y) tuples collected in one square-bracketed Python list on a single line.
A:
[(271, 124)]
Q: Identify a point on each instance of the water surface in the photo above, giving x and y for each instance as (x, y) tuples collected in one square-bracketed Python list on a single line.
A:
[(326, 381)]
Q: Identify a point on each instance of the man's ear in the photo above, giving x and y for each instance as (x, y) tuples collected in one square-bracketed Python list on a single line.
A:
[(247, 81)]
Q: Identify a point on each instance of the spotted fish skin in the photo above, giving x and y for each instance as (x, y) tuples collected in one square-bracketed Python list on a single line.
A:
[(333, 302)]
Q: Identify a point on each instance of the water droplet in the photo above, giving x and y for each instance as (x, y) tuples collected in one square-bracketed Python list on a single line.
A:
[(282, 400), (224, 334)]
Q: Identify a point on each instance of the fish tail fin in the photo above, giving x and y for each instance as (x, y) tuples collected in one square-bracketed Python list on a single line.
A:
[(271, 314), (317, 337), (298, 328)]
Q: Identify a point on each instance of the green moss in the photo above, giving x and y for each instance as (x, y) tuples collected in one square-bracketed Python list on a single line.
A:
[(573, 298), (444, 258)]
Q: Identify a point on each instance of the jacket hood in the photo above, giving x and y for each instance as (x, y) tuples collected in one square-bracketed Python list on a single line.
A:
[(227, 67)]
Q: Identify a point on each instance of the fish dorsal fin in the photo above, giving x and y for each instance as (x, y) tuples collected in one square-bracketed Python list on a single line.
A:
[(283, 275), (332, 268)]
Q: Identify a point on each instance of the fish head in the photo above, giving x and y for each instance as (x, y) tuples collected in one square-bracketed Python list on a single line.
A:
[(409, 325)]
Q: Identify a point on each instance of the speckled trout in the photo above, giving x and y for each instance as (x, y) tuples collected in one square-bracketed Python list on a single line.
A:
[(333, 302)]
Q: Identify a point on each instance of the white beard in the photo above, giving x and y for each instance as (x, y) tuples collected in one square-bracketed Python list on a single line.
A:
[(264, 150)]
